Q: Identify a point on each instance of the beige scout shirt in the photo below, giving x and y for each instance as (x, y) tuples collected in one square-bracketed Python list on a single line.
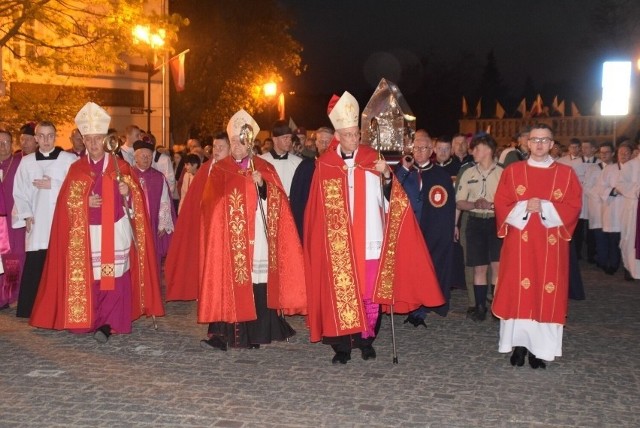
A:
[(476, 183)]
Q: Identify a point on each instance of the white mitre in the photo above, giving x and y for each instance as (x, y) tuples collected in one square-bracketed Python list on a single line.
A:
[(92, 119), (238, 120), (345, 113)]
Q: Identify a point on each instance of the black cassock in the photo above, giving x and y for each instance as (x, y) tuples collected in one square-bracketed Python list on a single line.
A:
[(299, 192), (434, 205)]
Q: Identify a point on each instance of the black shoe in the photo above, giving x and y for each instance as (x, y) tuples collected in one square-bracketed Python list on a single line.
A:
[(517, 358), (470, 311), (415, 321), (479, 314), (368, 353), (102, 334), (627, 276), (341, 357), (536, 363), (610, 271), (254, 346), (214, 343), (591, 261), (3, 307)]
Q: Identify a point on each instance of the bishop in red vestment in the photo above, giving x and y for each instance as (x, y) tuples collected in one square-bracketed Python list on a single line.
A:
[(537, 206), (94, 279), (251, 266), (354, 267)]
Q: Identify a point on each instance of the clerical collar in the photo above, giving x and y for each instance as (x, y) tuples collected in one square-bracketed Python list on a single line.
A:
[(277, 156), (541, 164), (53, 154), (242, 163), (424, 166), (445, 163), (95, 162), (589, 160), (346, 156)]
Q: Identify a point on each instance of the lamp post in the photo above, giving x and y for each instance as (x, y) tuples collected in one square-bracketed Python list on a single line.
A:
[(155, 40)]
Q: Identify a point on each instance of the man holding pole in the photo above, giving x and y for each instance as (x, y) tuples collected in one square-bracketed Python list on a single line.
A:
[(100, 273), (248, 247), (363, 247)]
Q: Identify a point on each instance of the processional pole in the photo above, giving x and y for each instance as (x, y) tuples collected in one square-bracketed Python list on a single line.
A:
[(375, 130), (111, 145)]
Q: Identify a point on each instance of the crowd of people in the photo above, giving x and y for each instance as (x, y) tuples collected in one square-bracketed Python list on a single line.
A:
[(315, 224)]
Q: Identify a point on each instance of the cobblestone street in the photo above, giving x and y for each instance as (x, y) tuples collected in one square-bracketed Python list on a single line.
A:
[(449, 375)]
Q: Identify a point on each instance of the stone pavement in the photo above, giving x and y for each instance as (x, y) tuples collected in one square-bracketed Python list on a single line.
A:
[(449, 375)]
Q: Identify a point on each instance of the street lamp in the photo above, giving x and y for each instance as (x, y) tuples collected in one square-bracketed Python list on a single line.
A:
[(155, 40), (270, 90)]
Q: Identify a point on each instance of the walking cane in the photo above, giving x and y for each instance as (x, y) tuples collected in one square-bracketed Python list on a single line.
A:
[(111, 145), (375, 129)]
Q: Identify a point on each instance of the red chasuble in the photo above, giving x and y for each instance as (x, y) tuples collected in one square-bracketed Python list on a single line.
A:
[(181, 267), (533, 278), (64, 296), (335, 285), (229, 207)]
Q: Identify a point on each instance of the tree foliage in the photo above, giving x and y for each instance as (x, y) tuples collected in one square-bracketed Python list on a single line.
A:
[(51, 40), (236, 47), (77, 35)]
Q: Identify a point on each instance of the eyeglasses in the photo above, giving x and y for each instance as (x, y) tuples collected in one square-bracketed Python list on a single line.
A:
[(540, 140), (422, 149)]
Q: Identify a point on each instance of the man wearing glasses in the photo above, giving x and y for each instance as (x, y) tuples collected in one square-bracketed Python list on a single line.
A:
[(432, 197), (35, 192), (537, 207), (362, 250)]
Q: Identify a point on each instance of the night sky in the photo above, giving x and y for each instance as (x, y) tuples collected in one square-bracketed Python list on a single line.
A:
[(350, 45)]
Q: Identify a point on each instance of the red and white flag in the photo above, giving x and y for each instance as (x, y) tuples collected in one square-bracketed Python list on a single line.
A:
[(281, 110), (177, 71)]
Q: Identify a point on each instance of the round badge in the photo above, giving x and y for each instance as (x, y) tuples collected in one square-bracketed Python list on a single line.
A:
[(438, 196)]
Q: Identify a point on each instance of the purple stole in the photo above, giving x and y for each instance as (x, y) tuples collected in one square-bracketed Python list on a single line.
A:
[(12, 239)]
